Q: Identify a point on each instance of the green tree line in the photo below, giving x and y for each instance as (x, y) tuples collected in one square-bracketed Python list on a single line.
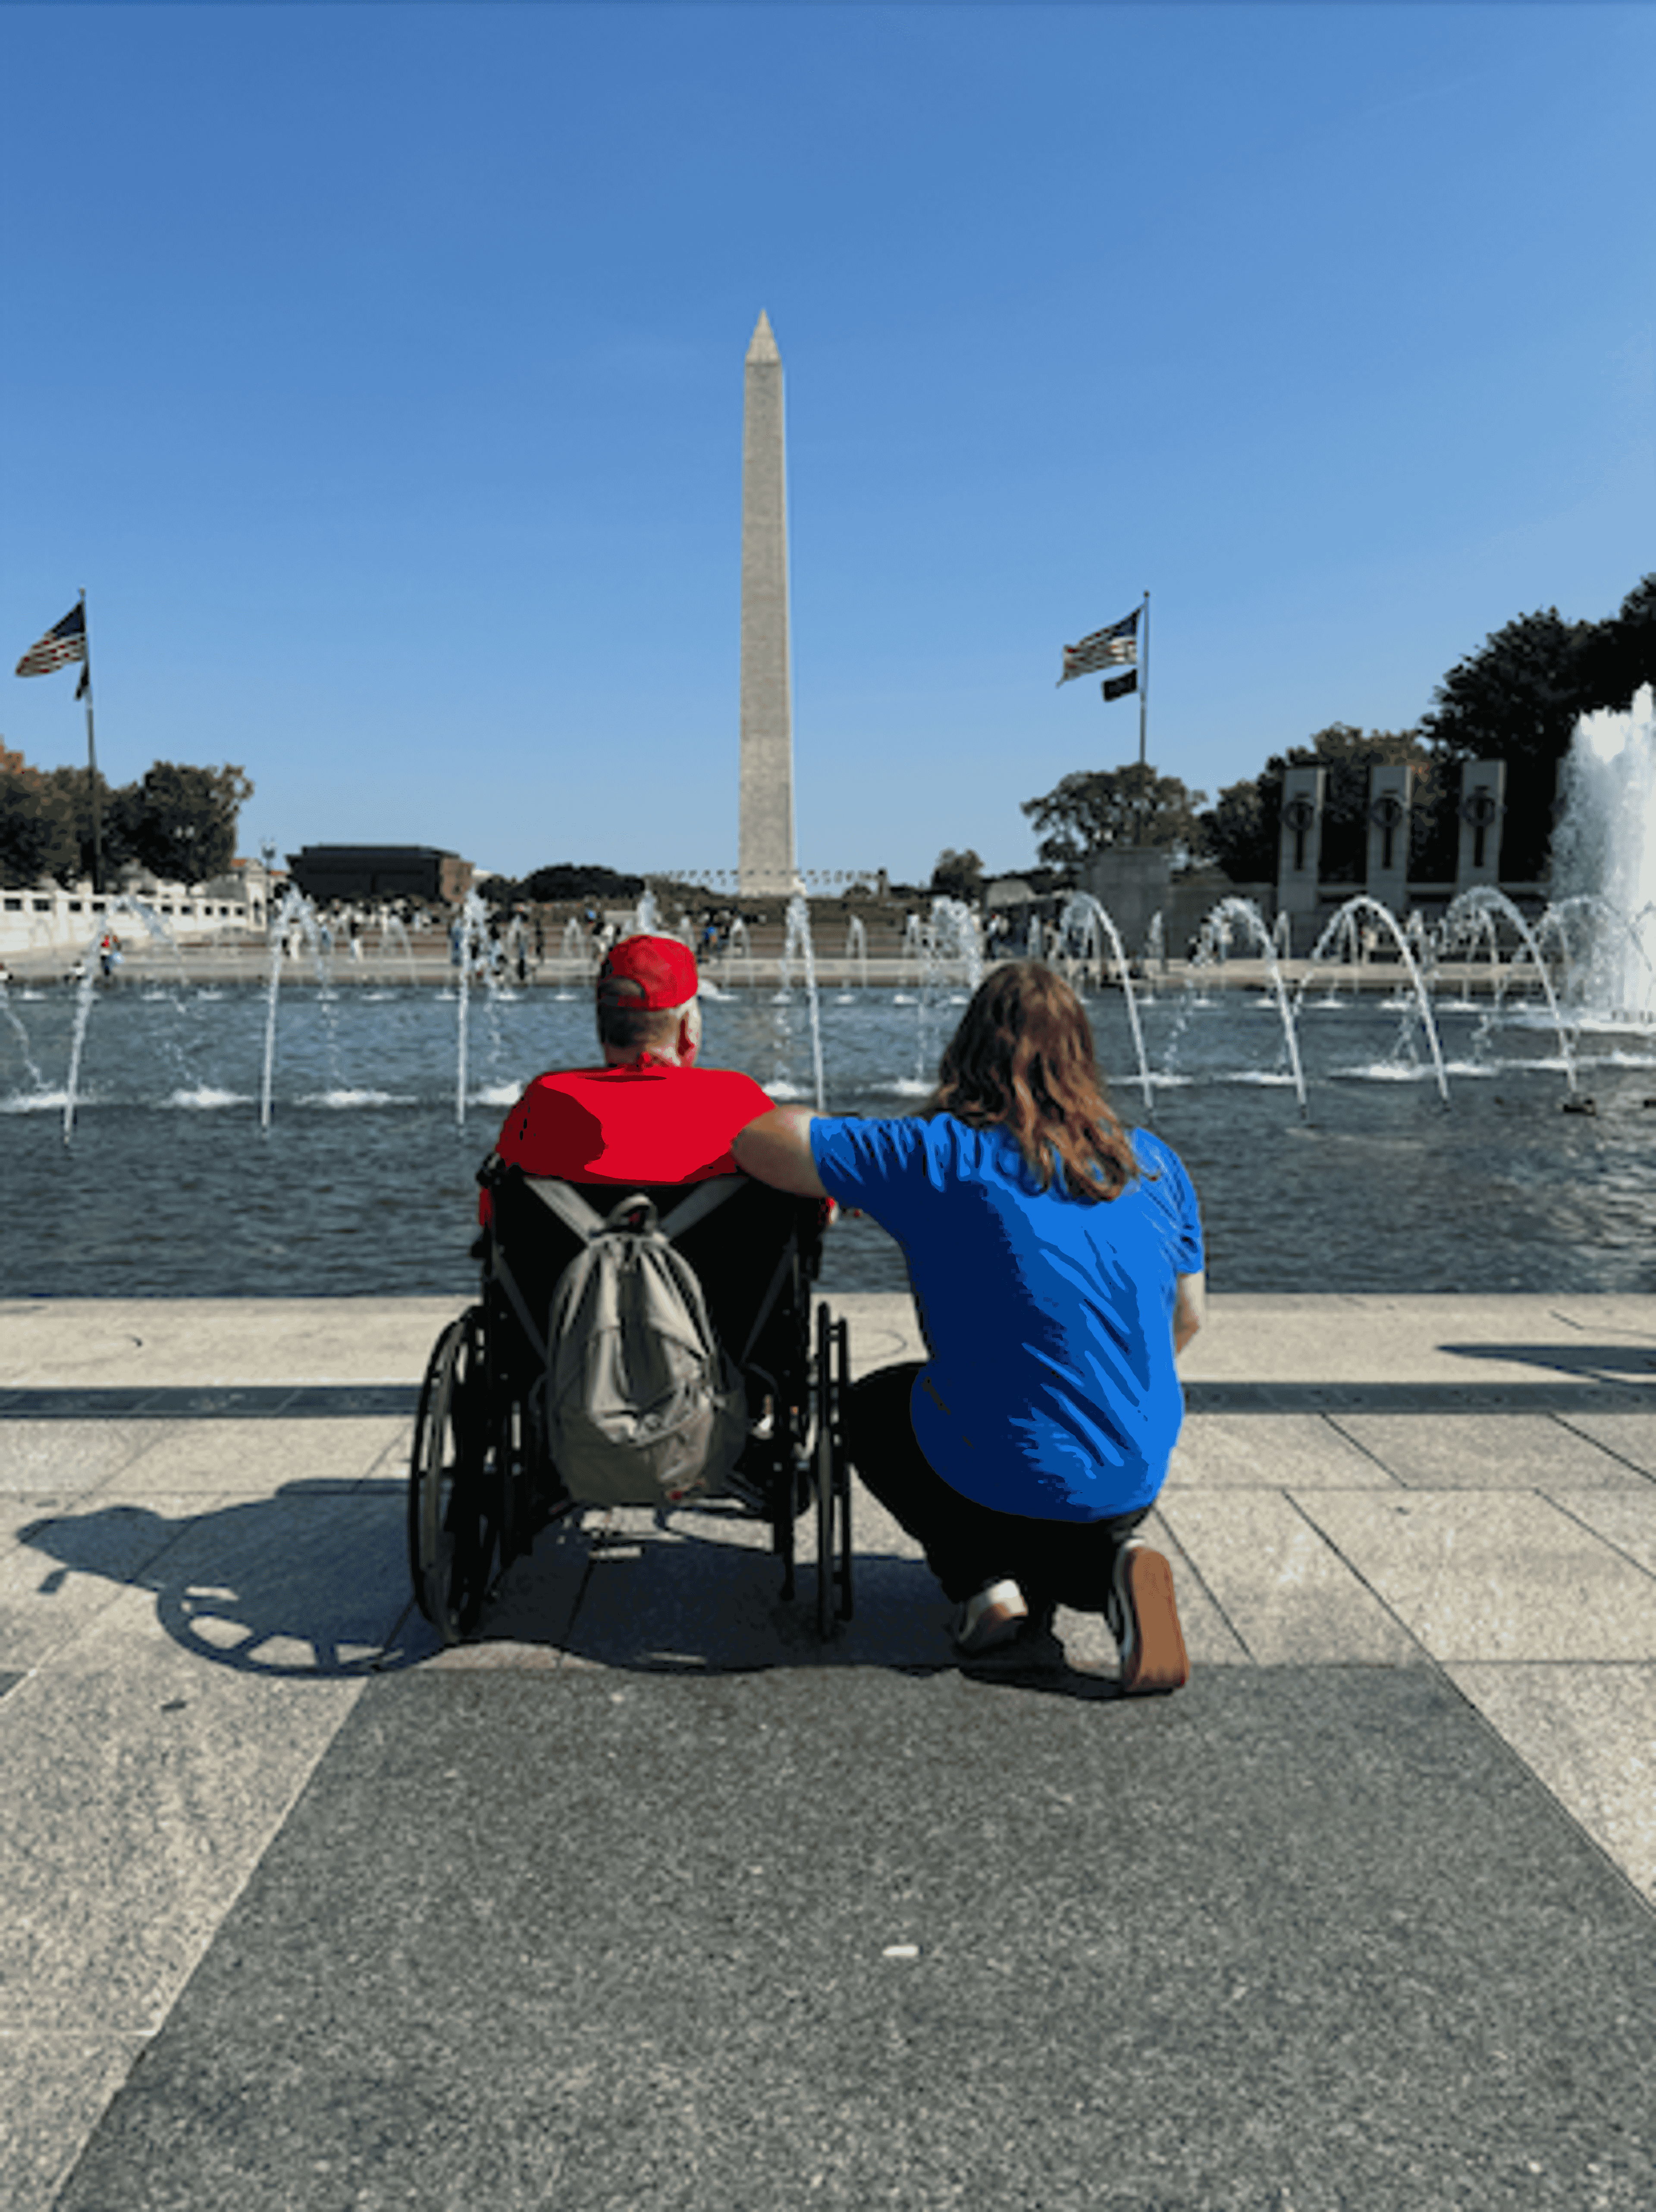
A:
[(1518, 698), (177, 821)]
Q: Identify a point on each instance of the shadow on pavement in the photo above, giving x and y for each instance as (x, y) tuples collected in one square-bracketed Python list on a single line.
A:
[(312, 1581), (1597, 1361)]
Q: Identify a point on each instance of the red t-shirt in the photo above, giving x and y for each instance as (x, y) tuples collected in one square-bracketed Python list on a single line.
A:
[(649, 1123)]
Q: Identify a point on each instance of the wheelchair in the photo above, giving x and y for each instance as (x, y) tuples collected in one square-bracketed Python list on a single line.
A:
[(481, 1483)]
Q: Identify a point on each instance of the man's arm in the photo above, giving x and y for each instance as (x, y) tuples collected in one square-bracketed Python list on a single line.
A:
[(1190, 1304), (776, 1149)]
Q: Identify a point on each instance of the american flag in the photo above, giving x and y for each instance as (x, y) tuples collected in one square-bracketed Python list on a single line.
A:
[(1118, 687), (1115, 647), (59, 646)]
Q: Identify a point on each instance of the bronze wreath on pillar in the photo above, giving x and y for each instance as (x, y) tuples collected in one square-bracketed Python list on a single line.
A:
[(1298, 814)]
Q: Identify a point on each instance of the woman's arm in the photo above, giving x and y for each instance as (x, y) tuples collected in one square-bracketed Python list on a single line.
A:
[(1190, 1300), (776, 1149)]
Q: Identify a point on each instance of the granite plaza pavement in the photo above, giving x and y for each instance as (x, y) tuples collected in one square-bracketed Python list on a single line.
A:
[(645, 1900)]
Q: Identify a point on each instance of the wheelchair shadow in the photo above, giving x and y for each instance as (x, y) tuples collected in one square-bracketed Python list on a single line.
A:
[(699, 1592), (310, 1582)]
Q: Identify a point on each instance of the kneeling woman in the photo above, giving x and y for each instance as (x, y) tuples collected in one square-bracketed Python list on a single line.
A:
[(1056, 1267)]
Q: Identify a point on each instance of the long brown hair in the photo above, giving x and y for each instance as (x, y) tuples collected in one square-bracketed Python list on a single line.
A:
[(1023, 1056)]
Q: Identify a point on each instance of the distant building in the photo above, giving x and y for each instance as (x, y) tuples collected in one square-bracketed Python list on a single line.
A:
[(380, 871), (1007, 890)]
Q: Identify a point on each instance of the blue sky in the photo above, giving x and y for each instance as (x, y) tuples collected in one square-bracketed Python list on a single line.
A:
[(378, 372)]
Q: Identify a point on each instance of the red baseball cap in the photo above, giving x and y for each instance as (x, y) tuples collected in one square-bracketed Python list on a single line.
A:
[(663, 968)]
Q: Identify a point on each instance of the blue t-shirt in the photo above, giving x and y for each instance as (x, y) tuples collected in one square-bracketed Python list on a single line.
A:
[(1051, 1389)]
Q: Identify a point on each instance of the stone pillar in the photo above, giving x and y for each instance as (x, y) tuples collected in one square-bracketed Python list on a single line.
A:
[(1391, 795), (1130, 882), (1299, 855), (765, 840), (1483, 803)]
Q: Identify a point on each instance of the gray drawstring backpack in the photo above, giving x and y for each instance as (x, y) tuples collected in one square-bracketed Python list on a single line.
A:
[(643, 1406)]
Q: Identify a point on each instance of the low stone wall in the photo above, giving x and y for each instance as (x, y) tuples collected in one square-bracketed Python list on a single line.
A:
[(61, 924)]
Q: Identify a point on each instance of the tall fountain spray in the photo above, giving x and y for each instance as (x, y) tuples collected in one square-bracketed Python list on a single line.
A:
[(1606, 843), (1383, 917), (89, 968), (1084, 913), (798, 942), (1243, 914)]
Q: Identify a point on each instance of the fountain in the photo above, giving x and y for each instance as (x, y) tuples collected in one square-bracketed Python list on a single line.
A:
[(1485, 899), (954, 930), (856, 959), (89, 967), (739, 945), (797, 942), (288, 917), (473, 946), (1243, 911), (913, 955), (356, 1182), (1156, 947), (1084, 910), (1362, 903), (393, 930), (37, 1081), (1605, 844), (1601, 922)]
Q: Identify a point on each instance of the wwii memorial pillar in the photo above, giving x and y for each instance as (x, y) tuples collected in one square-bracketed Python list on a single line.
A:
[(765, 840)]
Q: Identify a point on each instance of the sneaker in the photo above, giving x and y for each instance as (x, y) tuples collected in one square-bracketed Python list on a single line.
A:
[(992, 1616), (1143, 1618)]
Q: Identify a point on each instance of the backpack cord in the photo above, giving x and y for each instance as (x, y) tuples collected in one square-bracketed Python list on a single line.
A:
[(575, 1213)]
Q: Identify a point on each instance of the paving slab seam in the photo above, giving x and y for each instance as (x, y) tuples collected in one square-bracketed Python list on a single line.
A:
[(1640, 1476), (1357, 1443), (1190, 1567), (1358, 1577), (1560, 1506)]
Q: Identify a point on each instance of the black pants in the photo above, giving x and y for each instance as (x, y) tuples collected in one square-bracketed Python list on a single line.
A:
[(968, 1545)]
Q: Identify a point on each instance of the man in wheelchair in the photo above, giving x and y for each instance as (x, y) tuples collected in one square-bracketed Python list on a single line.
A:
[(627, 1154), (650, 1113)]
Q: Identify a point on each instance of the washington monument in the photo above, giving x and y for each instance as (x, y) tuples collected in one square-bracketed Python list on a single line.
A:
[(765, 840)]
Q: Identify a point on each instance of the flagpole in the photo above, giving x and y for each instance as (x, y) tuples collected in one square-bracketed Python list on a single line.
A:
[(1144, 708), (92, 760)]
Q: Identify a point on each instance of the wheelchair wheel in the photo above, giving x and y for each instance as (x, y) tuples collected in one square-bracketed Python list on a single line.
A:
[(455, 1493), (832, 1473)]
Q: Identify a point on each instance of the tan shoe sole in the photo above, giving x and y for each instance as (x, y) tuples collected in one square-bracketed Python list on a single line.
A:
[(1159, 1660)]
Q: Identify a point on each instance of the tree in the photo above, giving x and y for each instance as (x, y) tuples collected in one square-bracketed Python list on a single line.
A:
[(571, 879), (1093, 809), (958, 875), (182, 823), (1517, 696), (117, 810), (37, 826), (1241, 832), (1518, 699), (1620, 654)]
